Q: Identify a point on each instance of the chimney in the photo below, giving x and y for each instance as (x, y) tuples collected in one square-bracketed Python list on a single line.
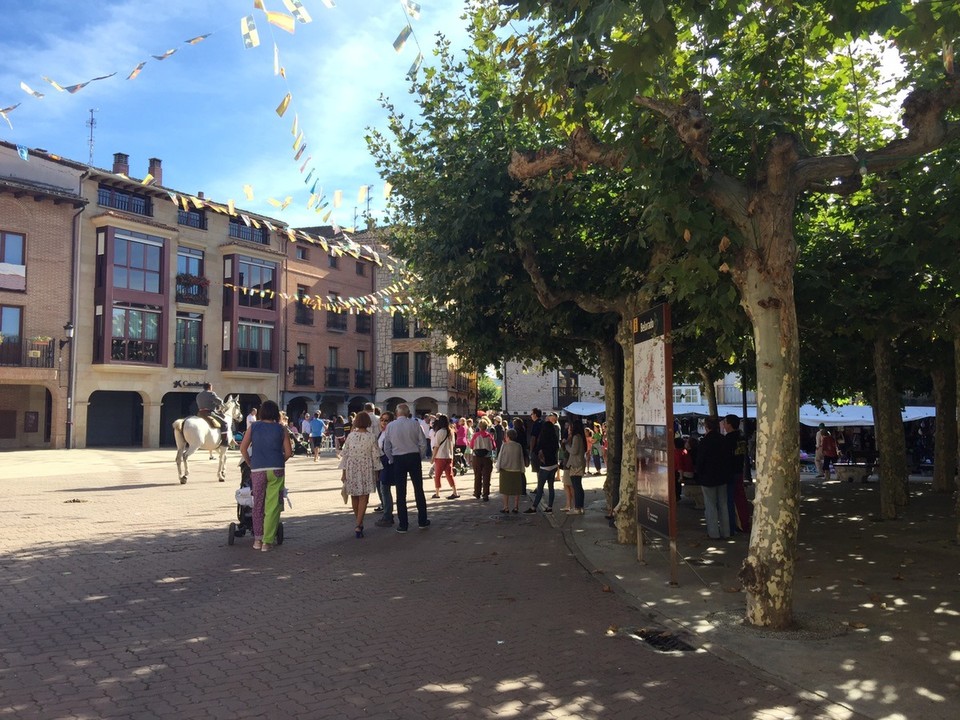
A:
[(200, 194), (156, 170), (121, 163)]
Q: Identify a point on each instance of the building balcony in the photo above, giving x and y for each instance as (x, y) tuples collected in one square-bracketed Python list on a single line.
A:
[(462, 382), (364, 323), (192, 289), (336, 321), (563, 396), (192, 218), (362, 378), (401, 379), (124, 201), (401, 328), (249, 233), (303, 375), (733, 395), (421, 379), (190, 355), (337, 377), (15, 352)]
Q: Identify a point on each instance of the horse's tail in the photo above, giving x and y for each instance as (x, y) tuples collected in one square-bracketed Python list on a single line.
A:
[(178, 434)]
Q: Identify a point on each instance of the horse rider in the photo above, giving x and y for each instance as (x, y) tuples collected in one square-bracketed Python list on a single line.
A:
[(208, 403)]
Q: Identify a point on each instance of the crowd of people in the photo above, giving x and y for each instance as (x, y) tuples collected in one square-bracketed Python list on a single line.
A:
[(381, 452)]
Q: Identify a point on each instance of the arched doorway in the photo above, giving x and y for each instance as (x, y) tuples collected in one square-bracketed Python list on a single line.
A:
[(391, 404), (115, 419), (356, 403), (173, 406), (423, 406), (296, 408)]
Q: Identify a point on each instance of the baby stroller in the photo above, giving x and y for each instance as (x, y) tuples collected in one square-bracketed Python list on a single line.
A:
[(459, 462), (244, 496)]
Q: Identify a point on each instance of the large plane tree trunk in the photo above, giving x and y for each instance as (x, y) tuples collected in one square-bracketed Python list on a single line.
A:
[(626, 510), (611, 368), (888, 424), (945, 433)]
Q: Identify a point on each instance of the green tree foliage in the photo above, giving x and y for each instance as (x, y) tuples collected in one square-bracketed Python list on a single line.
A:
[(489, 393)]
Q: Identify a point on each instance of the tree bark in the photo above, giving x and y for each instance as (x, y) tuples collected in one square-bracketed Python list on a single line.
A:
[(767, 572), (611, 369), (956, 364), (888, 423), (709, 391), (625, 513), (945, 432)]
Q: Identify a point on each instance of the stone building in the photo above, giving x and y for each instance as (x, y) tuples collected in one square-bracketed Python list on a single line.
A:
[(532, 386)]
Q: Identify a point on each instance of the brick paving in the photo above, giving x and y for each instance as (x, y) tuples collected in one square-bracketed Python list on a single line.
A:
[(120, 598)]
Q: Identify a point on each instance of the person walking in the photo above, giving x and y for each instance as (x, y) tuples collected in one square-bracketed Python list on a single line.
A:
[(713, 474), (547, 452), (360, 466), (405, 447), (828, 445), (318, 429), (511, 468), (818, 452), (739, 507), (266, 448), (251, 417), (385, 479), (575, 444), (442, 443), (483, 445)]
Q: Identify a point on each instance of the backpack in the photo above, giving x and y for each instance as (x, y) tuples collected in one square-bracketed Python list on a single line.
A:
[(829, 446)]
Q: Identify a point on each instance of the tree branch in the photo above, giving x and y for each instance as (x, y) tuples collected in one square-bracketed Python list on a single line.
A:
[(688, 120), (924, 117), (550, 297), (582, 151)]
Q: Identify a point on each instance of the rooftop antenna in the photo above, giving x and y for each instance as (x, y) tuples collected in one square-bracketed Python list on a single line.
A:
[(92, 123)]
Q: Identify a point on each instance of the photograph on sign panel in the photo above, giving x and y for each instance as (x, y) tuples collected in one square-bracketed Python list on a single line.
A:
[(653, 480), (651, 382)]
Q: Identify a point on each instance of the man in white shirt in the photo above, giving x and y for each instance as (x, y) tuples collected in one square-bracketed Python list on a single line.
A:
[(405, 447), (251, 418)]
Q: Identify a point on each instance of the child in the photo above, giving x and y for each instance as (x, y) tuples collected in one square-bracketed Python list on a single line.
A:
[(510, 465)]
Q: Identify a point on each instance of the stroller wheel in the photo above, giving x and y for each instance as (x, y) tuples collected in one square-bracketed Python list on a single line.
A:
[(233, 533), (280, 534)]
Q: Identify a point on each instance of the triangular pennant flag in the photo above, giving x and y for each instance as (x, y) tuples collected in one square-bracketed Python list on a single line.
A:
[(305, 163), (147, 180), (197, 39), (281, 20), (299, 153), (387, 187), (167, 54), (298, 10), (231, 207), (306, 180), (23, 153), (296, 125), (402, 38), (197, 202), (282, 107), (8, 109), (246, 219), (55, 85), (30, 91), (258, 5), (248, 192), (136, 71), (362, 194), (73, 89), (329, 3), (412, 8), (412, 72), (286, 202), (276, 59), (337, 198), (248, 30), (274, 202), (297, 141)]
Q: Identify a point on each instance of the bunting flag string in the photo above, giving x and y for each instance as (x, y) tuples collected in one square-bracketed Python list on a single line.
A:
[(389, 299)]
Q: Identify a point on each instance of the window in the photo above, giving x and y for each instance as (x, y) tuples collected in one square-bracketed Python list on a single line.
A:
[(335, 320), (14, 275), (257, 277), (136, 261), (361, 359), (11, 340), (337, 376), (122, 200), (420, 329), (686, 395), (189, 351), (189, 261), (240, 230), (303, 353), (302, 253), (361, 269), (421, 369), (334, 261), (135, 333), (254, 345), (194, 218), (303, 313), (364, 323), (401, 370), (333, 357), (362, 374), (400, 327)]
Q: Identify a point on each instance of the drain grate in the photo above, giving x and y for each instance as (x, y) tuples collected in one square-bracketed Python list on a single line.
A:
[(662, 640)]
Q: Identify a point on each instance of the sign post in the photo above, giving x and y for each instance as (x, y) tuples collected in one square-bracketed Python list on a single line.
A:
[(653, 405)]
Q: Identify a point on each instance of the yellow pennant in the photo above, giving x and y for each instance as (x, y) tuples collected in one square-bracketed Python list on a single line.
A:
[(281, 20), (54, 83), (296, 125), (338, 198), (29, 91), (362, 194), (248, 192), (136, 71), (231, 207), (148, 180), (282, 107), (387, 187), (297, 141)]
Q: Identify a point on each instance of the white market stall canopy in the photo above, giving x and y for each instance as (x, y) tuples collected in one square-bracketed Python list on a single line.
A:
[(585, 408), (690, 410), (856, 415)]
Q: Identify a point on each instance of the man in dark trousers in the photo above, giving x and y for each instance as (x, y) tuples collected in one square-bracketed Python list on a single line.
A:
[(713, 474), (737, 503), (405, 447)]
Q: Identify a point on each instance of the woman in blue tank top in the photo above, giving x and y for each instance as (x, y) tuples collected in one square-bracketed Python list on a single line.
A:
[(266, 447)]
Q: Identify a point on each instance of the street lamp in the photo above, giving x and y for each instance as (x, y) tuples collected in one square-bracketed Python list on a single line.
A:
[(68, 329), (301, 358)]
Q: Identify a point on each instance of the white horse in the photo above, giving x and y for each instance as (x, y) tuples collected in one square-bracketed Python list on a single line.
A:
[(194, 433)]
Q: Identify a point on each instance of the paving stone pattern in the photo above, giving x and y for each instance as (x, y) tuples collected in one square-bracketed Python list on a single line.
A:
[(120, 598)]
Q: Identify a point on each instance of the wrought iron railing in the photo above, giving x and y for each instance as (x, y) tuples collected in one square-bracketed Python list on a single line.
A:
[(338, 377), (16, 352), (362, 378), (303, 375)]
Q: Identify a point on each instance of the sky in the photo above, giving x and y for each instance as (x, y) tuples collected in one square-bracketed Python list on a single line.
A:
[(209, 110)]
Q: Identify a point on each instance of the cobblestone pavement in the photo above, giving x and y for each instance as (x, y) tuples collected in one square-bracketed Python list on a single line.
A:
[(121, 598)]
